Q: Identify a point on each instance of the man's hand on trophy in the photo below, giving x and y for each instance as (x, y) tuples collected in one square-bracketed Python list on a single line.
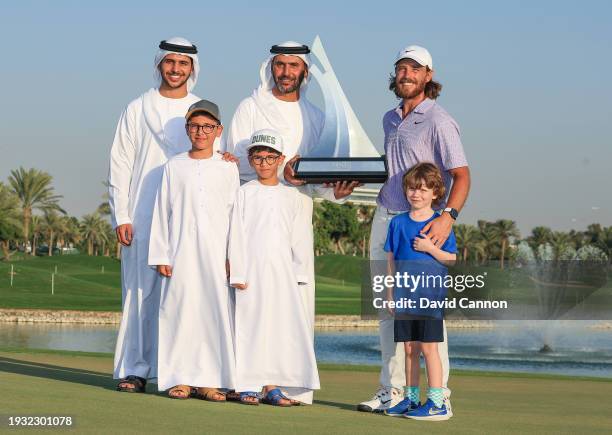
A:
[(343, 188), (289, 173)]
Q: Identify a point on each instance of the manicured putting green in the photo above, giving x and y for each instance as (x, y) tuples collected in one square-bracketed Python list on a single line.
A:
[(79, 385), (94, 283)]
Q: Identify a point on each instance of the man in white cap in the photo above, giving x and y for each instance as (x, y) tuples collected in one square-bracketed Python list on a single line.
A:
[(150, 131), (418, 130), (279, 103)]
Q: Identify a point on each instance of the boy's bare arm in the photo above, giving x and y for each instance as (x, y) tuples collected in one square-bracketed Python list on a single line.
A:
[(425, 244)]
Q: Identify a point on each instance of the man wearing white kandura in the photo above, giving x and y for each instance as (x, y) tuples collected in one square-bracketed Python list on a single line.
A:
[(150, 131), (280, 104)]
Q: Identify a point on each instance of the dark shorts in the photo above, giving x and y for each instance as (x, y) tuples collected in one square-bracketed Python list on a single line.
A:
[(427, 331)]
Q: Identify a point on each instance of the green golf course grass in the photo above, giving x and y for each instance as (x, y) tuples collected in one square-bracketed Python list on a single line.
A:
[(49, 383), (93, 283)]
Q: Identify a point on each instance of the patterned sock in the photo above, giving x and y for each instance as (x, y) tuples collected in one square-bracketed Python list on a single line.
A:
[(436, 395), (412, 393)]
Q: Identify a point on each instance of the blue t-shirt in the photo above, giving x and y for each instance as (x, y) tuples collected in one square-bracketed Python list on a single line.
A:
[(403, 230)]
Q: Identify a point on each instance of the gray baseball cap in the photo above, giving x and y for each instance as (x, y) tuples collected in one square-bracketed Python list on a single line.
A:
[(205, 106)]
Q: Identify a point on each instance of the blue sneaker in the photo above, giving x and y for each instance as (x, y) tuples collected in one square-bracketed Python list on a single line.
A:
[(401, 408), (429, 411)]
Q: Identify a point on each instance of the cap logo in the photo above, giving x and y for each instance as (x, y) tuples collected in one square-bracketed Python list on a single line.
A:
[(264, 138)]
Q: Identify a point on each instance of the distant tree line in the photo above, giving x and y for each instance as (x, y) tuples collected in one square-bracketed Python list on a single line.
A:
[(31, 218), (501, 241)]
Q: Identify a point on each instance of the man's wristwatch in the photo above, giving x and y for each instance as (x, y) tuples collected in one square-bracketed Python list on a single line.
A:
[(452, 212)]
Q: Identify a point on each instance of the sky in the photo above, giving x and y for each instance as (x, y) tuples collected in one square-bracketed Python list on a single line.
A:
[(528, 83)]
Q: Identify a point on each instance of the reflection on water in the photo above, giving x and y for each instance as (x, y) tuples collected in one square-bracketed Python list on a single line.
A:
[(84, 338), (581, 351)]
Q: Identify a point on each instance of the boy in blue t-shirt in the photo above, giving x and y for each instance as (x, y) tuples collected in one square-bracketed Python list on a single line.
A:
[(416, 254)]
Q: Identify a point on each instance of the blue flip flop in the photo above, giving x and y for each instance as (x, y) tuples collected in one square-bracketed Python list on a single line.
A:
[(245, 394), (274, 398)]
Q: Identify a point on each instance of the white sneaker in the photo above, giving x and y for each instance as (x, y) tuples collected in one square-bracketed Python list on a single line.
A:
[(449, 408), (384, 398)]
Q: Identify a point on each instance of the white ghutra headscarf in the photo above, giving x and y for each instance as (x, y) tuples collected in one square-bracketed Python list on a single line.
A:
[(178, 41), (265, 72), (267, 102)]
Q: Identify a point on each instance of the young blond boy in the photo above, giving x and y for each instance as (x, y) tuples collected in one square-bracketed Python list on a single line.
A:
[(411, 251)]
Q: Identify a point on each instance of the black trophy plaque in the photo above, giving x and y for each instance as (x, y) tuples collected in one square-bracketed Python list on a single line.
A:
[(318, 170)]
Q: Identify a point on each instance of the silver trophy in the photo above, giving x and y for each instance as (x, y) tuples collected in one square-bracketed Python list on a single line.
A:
[(344, 151)]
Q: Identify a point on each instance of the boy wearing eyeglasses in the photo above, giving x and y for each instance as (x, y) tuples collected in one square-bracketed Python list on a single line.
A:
[(189, 245), (275, 359)]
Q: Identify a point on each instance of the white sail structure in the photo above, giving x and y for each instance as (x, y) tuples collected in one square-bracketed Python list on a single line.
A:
[(343, 135)]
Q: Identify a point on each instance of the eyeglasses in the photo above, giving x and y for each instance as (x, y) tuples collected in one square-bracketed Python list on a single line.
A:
[(206, 128), (270, 160)]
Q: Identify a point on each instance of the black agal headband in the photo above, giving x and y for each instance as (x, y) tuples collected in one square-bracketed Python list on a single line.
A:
[(277, 49), (187, 49)]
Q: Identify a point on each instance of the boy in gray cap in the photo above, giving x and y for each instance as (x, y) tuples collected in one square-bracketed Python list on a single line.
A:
[(189, 245)]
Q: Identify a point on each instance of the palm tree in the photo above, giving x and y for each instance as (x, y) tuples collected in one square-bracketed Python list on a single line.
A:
[(10, 222), (578, 238), (107, 235), (489, 240), (560, 243), (34, 190), (93, 230), (51, 223), (104, 207), (593, 233), (480, 249), (68, 232), (606, 241), (539, 236), (600, 237), (467, 237), (505, 229), (36, 231), (365, 214)]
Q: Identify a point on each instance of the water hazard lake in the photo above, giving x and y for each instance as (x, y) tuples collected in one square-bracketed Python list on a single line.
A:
[(575, 349)]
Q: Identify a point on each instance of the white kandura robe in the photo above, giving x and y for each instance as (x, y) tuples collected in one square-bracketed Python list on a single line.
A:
[(150, 131), (191, 232), (300, 124), (273, 329)]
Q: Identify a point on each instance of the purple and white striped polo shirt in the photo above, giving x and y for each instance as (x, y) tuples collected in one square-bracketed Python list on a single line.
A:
[(427, 134)]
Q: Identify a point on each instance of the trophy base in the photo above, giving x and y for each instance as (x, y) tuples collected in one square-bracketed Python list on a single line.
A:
[(318, 170)]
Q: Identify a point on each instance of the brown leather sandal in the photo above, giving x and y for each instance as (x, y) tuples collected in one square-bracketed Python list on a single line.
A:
[(210, 394), (180, 392), (132, 384), (232, 396)]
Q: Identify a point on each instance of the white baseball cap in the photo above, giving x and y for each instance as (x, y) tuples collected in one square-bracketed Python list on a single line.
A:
[(267, 138), (416, 53)]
